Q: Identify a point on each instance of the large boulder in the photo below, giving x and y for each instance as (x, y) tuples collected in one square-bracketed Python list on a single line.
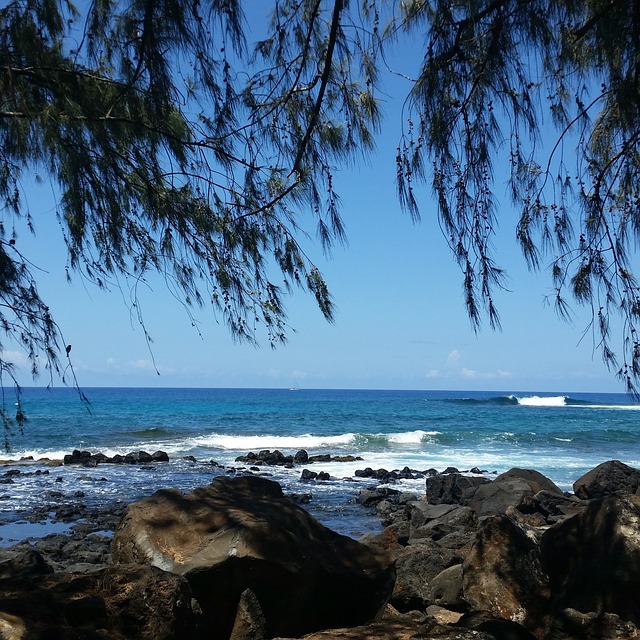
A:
[(415, 568), (451, 526), (515, 488), (401, 629), (242, 533), (119, 603), (446, 589), (502, 574), (593, 559), (452, 488), (607, 479)]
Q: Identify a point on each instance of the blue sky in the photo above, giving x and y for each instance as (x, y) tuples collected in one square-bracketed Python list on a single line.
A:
[(400, 321)]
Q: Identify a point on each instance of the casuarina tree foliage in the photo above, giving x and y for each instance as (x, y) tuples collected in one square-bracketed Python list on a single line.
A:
[(175, 146)]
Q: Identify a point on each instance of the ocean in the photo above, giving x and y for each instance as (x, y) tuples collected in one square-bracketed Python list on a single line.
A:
[(560, 435)]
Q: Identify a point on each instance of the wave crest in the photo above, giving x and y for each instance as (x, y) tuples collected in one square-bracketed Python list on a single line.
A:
[(543, 401)]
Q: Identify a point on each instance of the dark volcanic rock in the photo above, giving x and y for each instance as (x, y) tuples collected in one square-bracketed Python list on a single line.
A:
[(574, 625), (415, 568), (609, 478), (22, 561), (593, 559), (277, 458), (400, 628), (503, 574), (514, 488), (452, 488), (88, 459), (120, 603), (499, 628)]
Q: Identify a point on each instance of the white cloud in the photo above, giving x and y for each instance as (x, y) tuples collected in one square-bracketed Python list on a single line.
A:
[(17, 358), (145, 365), (484, 375), (433, 373), (453, 357)]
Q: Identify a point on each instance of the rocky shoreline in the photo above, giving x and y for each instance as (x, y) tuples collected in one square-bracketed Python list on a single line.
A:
[(504, 558)]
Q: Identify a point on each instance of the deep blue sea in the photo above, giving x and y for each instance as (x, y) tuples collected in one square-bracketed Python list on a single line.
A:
[(560, 435)]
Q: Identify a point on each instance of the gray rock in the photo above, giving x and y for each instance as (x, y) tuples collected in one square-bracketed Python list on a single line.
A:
[(451, 521), (514, 488), (446, 589)]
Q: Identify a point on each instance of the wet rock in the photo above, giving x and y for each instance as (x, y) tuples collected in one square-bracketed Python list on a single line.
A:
[(386, 476), (78, 457), (307, 475), (277, 458), (88, 459)]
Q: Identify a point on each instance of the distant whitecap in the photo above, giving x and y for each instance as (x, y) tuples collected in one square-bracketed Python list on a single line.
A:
[(543, 401)]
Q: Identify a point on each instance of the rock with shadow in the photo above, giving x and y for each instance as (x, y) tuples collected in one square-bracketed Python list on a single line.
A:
[(242, 534), (593, 559)]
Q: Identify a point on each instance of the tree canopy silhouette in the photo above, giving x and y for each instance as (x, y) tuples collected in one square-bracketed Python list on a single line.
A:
[(175, 146)]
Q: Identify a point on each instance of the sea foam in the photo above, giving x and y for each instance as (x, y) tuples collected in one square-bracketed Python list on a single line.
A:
[(268, 441), (543, 401)]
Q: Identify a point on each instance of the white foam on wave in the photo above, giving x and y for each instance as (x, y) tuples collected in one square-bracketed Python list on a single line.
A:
[(23, 455), (411, 437), (543, 401), (252, 443)]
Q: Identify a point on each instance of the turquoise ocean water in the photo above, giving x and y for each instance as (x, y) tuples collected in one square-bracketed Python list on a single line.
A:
[(560, 435)]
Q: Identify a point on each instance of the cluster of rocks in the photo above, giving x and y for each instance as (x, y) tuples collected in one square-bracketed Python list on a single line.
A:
[(236, 559), (278, 459), (385, 476), (88, 459), (513, 558), (8, 477)]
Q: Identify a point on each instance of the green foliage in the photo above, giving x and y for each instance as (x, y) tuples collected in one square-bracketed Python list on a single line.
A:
[(171, 154), (495, 74), (174, 148)]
